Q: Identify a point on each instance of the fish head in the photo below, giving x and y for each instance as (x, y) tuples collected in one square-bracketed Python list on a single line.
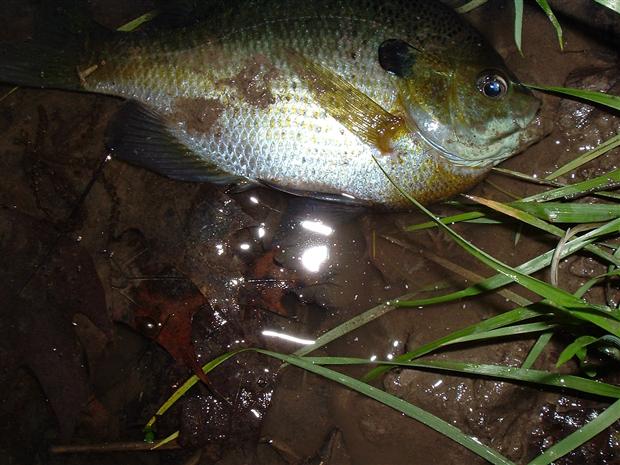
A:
[(472, 109)]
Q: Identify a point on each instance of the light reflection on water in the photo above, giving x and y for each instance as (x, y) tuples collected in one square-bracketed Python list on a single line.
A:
[(313, 257), (318, 227), (287, 337)]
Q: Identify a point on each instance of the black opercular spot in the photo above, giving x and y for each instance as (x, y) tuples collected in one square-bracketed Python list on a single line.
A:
[(397, 57)]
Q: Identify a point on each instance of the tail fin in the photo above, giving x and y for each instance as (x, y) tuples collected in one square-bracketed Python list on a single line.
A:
[(31, 64), (62, 35)]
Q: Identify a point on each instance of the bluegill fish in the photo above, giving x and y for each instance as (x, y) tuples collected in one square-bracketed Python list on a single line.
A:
[(304, 96)]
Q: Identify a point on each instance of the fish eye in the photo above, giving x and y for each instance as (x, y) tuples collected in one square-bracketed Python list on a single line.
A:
[(492, 84)]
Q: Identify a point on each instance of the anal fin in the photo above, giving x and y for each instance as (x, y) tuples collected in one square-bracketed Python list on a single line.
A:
[(141, 137)]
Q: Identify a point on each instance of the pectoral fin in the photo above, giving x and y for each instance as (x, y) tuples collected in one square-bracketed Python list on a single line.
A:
[(352, 108), (141, 137)]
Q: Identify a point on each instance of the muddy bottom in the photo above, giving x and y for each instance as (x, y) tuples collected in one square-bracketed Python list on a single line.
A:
[(119, 284)]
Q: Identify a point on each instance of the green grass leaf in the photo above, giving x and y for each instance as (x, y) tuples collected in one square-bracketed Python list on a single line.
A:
[(557, 212), (400, 405), (531, 266), (539, 377), (518, 24), (610, 180), (349, 325), (554, 295), (412, 411), (590, 155), (479, 331), (137, 22), (470, 5), (611, 4), (468, 216), (602, 98), (537, 349), (166, 440), (573, 348), (186, 386), (526, 217)]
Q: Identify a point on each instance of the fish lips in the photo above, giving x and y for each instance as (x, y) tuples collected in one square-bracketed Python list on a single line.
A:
[(464, 151)]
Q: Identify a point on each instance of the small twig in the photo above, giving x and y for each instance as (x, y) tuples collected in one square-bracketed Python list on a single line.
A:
[(83, 74), (528, 178), (8, 93), (109, 447)]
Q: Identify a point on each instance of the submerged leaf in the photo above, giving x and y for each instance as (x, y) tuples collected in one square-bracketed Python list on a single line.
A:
[(557, 212)]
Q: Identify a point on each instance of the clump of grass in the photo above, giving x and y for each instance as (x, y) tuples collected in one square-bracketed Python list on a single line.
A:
[(518, 18)]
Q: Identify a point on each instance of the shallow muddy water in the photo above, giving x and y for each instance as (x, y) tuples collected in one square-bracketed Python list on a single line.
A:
[(119, 284)]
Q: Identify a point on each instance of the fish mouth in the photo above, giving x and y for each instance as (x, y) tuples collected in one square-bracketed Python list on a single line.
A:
[(521, 135)]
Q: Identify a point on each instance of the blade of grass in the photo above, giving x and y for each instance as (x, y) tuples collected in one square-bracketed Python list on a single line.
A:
[(571, 350), (537, 349), (556, 24), (611, 4), (400, 405), (525, 217), (470, 5), (590, 155), (539, 377), (137, 22), (557, 212), (14, 89), (507, 331), (531, 266), (552, 183), (579, 437), (602, 98), (595, 185), (610, 180), (459, 270), (166, 440), (526, 177), (518, 25), (348, 326), (466, 334), (382, 309), (447, 220), (186, 386)]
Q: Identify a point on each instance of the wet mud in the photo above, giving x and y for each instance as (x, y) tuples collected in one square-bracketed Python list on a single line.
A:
[(119, 284)]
